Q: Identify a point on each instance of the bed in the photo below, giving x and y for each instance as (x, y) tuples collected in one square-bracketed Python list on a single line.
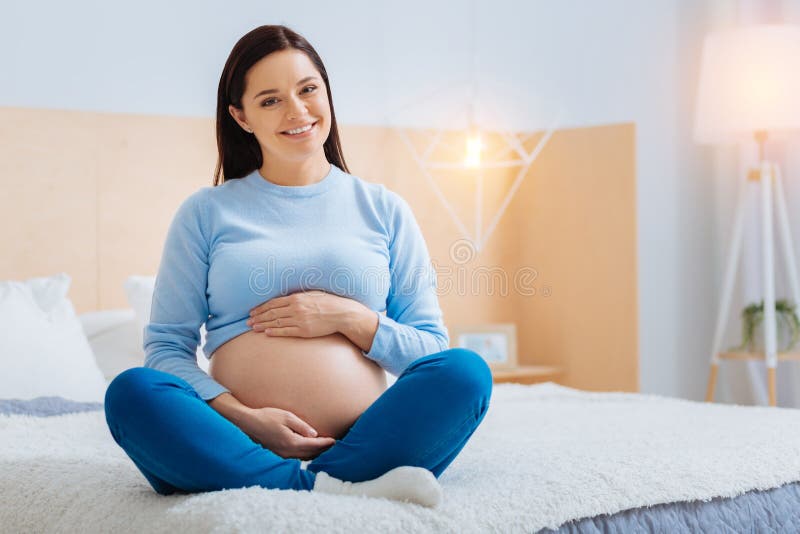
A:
[(547, 458)]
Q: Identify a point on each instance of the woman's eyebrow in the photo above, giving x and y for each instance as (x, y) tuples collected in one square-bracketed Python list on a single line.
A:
[(270, 91)]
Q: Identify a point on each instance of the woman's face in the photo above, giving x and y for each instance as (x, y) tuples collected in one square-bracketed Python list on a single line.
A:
[(284, 91)]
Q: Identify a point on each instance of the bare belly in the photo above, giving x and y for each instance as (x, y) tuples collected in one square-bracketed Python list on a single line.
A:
[(325, 381)]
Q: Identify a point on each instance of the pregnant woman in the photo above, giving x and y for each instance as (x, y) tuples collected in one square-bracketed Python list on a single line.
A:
[(310, 282)]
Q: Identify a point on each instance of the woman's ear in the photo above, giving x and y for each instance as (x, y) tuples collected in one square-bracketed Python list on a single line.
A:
[(238, 116)]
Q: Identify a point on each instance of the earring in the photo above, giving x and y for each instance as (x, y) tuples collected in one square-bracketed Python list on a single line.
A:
[(248, 130)]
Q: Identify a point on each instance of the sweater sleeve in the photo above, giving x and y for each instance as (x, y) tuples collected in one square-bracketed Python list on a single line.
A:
[(413, 326), (180, 305)]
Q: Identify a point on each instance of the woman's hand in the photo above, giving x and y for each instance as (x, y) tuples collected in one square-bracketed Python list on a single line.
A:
[(305, 314), (284, 433)]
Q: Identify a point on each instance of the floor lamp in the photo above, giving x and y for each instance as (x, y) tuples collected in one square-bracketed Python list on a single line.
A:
[(750, 88)]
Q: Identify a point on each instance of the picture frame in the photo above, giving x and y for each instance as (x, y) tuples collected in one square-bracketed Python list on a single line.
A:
[(495, 342)]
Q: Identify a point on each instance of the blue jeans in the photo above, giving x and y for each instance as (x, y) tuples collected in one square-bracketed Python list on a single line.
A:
[(181, 444)]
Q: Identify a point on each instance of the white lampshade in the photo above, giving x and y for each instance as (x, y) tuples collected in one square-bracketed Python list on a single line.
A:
[(749, 81)]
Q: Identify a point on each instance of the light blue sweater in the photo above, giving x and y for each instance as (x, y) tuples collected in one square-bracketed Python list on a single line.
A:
[(249, 240)]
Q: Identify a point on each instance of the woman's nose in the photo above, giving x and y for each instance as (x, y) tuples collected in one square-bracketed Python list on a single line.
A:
[(297, 108)]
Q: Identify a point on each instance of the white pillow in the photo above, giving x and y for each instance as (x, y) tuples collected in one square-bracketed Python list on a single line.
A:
[(139, 290), (43, 350), (96, 323), (115, 339)]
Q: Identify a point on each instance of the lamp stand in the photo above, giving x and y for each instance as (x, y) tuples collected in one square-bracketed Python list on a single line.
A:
[(769, 175)]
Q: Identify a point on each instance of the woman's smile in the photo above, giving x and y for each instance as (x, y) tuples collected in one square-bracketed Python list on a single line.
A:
[(301, 132)]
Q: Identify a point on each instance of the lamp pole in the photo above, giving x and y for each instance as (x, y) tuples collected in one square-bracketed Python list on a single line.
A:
[(768, 174)]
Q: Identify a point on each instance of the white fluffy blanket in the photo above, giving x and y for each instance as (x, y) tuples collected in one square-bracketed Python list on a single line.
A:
[(544, 455)]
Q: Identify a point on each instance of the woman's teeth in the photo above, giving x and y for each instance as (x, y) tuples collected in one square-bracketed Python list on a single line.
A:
[(299, 130)]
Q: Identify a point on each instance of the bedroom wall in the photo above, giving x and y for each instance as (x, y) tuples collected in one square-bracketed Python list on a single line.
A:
[(593, 62), (98, 208)]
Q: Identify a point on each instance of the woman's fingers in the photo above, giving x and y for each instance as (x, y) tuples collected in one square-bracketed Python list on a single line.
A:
[(313, 444), (277, 323), (310, 448), (288, 331), (306, 448), (299, 426), (305, 443), (271, 315)]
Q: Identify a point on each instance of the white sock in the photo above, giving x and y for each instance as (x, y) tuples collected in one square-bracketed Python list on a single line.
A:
[(404, 483)]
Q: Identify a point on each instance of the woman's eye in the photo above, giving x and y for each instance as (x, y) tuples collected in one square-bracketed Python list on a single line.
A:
[(271, 101)]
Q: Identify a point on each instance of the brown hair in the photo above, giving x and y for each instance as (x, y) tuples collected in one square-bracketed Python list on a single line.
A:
[(239, 152)]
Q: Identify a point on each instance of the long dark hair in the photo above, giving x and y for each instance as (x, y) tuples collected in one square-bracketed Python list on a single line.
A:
[(239, 152)]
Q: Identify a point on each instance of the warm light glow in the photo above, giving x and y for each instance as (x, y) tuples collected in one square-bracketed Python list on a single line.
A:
[(474, 148), (749, 81)]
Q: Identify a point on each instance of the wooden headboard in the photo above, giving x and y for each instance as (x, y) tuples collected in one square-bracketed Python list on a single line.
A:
[(92, 194)]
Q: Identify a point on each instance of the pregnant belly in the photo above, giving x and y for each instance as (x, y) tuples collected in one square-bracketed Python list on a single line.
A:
[(325, 381)]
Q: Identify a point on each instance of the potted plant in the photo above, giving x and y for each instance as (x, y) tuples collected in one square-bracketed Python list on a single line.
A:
[(787, 325)]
